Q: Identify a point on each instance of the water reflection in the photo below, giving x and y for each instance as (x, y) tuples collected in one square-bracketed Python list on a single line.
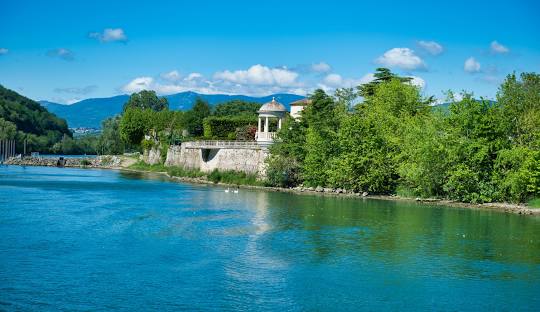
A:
[(166, 245)]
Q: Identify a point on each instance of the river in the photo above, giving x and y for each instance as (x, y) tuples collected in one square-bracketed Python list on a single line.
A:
[(87, 239)]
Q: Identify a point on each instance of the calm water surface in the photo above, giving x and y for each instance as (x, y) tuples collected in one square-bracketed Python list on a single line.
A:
[(75, 239)]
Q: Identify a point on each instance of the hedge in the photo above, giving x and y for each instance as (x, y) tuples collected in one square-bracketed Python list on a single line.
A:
[(225, 127)]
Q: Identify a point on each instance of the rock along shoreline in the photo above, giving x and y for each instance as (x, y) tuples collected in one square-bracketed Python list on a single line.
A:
[(123, 162)]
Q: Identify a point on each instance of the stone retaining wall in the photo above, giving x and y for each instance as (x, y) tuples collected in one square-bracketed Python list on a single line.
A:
[(248, 160)]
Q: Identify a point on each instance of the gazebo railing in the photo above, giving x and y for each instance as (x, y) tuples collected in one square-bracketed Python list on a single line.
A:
[(265, 135)]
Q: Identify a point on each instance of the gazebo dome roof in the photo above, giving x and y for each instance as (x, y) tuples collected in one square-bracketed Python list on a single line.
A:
[(272, 106)]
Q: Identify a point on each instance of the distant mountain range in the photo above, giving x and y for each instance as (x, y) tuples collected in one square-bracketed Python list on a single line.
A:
[(90, 113)]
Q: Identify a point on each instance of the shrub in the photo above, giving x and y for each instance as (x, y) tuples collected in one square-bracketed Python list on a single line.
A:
[(246, 133), (233, 177), (225, 127), (282, 171), (517, 174), (465, 185)]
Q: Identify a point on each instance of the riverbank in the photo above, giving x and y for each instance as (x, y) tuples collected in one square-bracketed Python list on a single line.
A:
[(130, 163), (200, 178)]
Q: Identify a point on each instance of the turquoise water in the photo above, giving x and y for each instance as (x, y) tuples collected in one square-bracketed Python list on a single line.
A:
[(86, 240)]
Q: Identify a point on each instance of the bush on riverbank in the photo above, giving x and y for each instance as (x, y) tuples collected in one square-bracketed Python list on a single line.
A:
[(228, 177)]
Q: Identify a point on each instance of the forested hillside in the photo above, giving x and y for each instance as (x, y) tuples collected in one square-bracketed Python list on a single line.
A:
[(23, 119)]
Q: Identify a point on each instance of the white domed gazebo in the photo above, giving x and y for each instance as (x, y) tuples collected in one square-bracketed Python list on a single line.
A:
[(266, 130)]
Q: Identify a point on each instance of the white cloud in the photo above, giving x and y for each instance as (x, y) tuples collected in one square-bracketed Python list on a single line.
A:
[(259, 75), (333, 80), (194, 76), (321, 67), (3, 51), (498, 48), (257, 80), (171, 76), (431, 47), (61, 53), (418, 82), (403, 58), (138, 84), (367, 78), (471, 65), (109, 35)]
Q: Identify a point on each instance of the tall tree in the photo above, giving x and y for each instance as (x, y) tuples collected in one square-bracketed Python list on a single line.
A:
[(381, 75), (195, 117), (146, 100), (323, 116), (110, 142)]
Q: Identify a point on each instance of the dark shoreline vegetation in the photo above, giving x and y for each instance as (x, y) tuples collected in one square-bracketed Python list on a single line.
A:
[(394, 142)]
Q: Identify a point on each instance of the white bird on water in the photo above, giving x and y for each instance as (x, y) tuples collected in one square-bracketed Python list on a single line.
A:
[(227, 190), (236, 191)]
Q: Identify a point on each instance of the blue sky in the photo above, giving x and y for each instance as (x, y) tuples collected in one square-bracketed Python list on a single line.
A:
[(65, 51)]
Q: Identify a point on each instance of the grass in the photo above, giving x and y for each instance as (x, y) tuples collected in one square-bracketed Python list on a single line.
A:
[(140, 165), (234, 177), (534, 203), (405, 192), (228, 177)]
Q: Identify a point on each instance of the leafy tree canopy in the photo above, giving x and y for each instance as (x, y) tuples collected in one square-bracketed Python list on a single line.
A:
[(381, 75), (146, 99), (236, 108)]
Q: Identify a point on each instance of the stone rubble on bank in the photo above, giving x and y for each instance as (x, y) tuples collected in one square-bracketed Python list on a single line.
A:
[(327, 190)]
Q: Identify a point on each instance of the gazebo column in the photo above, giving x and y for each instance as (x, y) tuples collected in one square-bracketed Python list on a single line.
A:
[(279, 124), (259, 127), (266, 125)]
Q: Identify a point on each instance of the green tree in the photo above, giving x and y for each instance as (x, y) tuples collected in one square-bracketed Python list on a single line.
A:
[(8, 130), (195, 117), (520, 103), (236, 108), (146, 100), (110, 142), (381, 75), (323, 117), (134, 124), (371, 139)]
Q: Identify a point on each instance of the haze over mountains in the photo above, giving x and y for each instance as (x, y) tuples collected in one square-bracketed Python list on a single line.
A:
[(90, 113)]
